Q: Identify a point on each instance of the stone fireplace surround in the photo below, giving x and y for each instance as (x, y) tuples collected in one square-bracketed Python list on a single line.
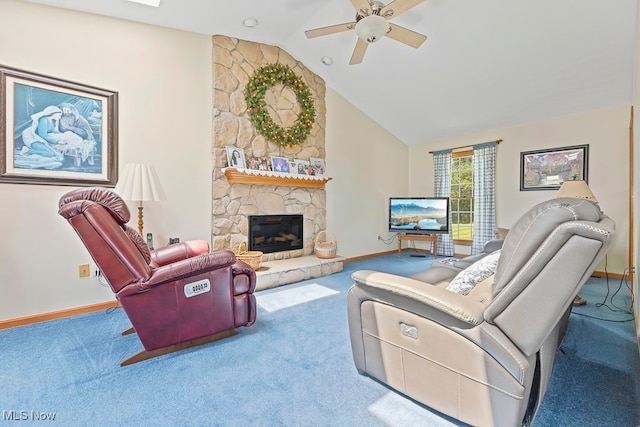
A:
[(234, 62), (275, 233)]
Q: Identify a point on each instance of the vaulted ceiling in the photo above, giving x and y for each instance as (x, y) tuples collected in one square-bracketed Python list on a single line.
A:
[(486, 63)]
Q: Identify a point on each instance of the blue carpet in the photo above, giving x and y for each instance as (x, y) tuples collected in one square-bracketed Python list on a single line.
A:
[(292, 368), (596, 377)]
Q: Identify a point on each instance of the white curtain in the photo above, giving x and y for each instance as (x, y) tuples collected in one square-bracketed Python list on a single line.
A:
[(442, 180), (484, 206)]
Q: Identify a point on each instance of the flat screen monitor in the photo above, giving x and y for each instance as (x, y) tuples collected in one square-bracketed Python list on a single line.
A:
[(419, 215)]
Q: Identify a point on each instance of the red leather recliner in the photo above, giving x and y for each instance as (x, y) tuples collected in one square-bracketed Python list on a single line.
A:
[(177, 296)]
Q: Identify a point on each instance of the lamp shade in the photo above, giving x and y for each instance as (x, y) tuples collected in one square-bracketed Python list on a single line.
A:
[(139, 183), (577, 190), (372, 28)]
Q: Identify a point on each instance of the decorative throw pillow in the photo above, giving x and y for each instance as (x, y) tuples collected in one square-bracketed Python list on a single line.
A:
[(465, 281), (446, 263)]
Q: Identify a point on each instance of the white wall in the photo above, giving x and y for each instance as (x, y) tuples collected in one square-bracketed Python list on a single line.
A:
[(164, 82), (368, 165), (607, 133)]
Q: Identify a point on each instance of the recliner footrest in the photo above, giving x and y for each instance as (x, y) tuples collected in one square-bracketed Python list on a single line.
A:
[(146, 355)]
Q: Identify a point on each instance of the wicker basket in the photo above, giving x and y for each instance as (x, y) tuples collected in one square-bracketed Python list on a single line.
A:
[(326, 245), (252, 258)]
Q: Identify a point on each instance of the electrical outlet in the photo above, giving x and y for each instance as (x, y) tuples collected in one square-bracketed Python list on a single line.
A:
[(84, 270), (95, 271), (379, 237)]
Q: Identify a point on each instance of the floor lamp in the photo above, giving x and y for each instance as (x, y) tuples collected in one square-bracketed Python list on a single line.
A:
[(139, 183), (577, 190)]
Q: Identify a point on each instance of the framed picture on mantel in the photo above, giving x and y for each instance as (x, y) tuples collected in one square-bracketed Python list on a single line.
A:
[(235, 157), (280, 164), (548, 169), (318, 165), (301, 167)]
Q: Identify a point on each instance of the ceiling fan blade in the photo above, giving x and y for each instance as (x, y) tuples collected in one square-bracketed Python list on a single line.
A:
[(332, 29), (398, 7), (406, 36), (358, 52), (361, 5)]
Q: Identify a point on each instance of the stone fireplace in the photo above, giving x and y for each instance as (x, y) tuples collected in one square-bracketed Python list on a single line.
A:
[(234, 62), (275, 233)]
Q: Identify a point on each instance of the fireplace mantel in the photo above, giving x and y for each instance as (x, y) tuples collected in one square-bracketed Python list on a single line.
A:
[(250, 176)]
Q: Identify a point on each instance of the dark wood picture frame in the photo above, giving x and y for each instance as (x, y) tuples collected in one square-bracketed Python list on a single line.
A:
[(548, 169), (56, 132)]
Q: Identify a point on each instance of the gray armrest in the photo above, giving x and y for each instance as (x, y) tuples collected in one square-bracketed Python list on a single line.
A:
[(419, 297), (493, 245)]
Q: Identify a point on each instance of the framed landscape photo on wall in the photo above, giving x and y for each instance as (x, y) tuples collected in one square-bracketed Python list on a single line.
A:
[(56, 132), (548, 169)]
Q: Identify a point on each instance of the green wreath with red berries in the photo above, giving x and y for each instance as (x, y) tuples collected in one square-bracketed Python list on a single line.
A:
[(263, 79)]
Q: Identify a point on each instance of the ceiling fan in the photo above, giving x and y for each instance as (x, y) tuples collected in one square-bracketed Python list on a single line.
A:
[(372, 23)]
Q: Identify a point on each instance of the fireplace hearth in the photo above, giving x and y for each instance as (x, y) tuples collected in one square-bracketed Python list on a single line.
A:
[(275, 233)]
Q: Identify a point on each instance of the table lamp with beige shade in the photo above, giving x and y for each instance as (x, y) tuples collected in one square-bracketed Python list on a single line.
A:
[(577, 190), (139, 183)]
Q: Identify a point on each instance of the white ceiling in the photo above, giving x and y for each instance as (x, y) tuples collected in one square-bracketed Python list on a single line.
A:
[(486, 64)]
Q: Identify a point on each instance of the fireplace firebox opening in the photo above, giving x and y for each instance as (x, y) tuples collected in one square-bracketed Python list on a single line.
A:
[(275, 233)]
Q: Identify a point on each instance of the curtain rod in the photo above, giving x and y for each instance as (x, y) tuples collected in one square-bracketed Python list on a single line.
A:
[(497, 141)]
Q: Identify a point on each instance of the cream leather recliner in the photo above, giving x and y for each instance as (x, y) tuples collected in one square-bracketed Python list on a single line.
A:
[(484, 357)]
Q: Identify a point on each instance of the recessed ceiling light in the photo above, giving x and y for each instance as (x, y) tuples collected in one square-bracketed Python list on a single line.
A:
[(327, 60), (154, 3), (250, 22)]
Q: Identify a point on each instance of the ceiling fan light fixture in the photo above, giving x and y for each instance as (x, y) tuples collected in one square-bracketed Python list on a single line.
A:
[(372, 28)]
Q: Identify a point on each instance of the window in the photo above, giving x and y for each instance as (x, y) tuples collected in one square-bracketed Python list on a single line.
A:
[(462, 197)]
